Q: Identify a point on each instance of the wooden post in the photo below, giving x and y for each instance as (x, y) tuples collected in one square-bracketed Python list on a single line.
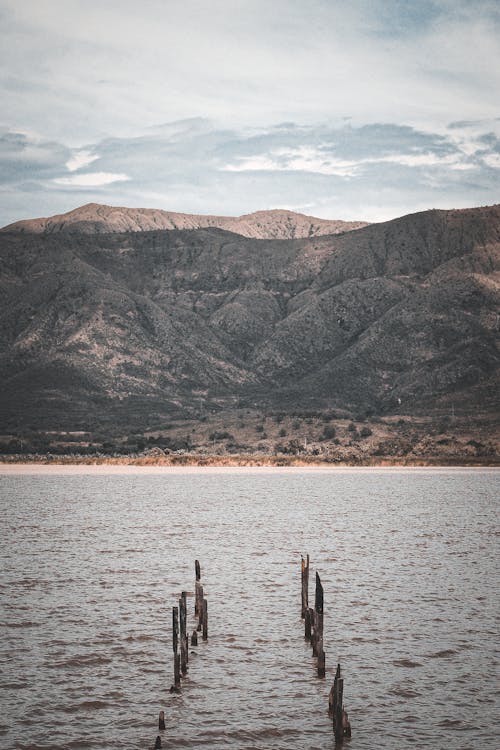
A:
[(182, 632), (321, 659), (161, 720), (194, 638), (200, 607), (308, 625), (197, 597), (197, 570), (175, 628), (177, 671), (318, 597), (338, 695), (305, 585), (318, 616), (158, 743), (205, 619)]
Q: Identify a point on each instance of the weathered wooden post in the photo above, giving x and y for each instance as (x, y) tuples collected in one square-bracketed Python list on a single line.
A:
[(182, 632), (197, 570), (200, 607), (318, 617), (177, 674), (198, 598), (321, 659), (308, 625), (175, 642), (194, 638), (337, 707), (305, 585), (161, 720), (175, 628), (205, 619), (186, 638), (158, 743)]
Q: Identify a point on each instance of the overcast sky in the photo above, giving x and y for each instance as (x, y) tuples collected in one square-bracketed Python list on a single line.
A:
[(344, 110)]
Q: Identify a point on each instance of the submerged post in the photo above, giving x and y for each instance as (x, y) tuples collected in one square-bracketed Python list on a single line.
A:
[(200, 607), (182, 633), (177, 672), (341, 723), (197, 588), (318, 618), (305, 585), (321, 659), (161, 720), (175, 642), (205, 619), (308, 625), (175, 628)]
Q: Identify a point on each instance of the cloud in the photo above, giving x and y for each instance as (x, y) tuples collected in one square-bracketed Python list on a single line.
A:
[(374, 172), (307, 159), (91, 179), (80, 159), (79, 76)]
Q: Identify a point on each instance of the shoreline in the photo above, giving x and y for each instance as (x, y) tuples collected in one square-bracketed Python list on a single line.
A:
[(250, 461)]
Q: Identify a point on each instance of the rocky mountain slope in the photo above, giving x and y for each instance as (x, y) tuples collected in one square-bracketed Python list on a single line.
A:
[(94, 218), (138, 327)]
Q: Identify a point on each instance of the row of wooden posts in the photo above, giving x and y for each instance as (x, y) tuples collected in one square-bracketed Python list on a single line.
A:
[(313, 632), (180, 638)]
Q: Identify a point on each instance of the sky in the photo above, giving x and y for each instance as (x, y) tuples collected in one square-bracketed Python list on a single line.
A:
[(366, 110)]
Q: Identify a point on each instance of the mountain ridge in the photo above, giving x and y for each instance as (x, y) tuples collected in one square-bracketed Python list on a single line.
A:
[(138, 327), (100, 218)]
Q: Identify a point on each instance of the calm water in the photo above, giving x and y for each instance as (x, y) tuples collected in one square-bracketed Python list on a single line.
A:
[(92, 563)]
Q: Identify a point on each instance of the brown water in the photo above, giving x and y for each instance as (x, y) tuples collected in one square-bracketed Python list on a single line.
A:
[(92, 563)]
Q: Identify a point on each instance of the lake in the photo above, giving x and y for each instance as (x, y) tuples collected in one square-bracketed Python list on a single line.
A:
[(93, 559)]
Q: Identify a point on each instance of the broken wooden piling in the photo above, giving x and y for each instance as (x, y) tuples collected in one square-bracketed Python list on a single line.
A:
[(183, 633), (308, 624), (318, 622), (341, 723), (161, 720), (200, 607), (175, 628), (305, 585), (205, 619)]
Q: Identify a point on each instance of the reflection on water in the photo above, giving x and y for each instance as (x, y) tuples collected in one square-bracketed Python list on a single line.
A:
[(92, 564)]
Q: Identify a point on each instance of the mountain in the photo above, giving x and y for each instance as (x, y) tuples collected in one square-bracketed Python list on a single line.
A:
[(137, 327), (97, 219)]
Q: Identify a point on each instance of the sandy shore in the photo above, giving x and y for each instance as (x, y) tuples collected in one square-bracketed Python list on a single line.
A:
[(68, 468)]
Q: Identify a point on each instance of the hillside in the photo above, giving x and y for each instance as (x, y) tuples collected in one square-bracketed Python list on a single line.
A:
[(98, 219), (138, 328)]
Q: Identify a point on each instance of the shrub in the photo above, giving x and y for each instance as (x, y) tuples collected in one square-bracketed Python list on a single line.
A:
[(282, 432), (224, 435), (366, 432), (329, 433)]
